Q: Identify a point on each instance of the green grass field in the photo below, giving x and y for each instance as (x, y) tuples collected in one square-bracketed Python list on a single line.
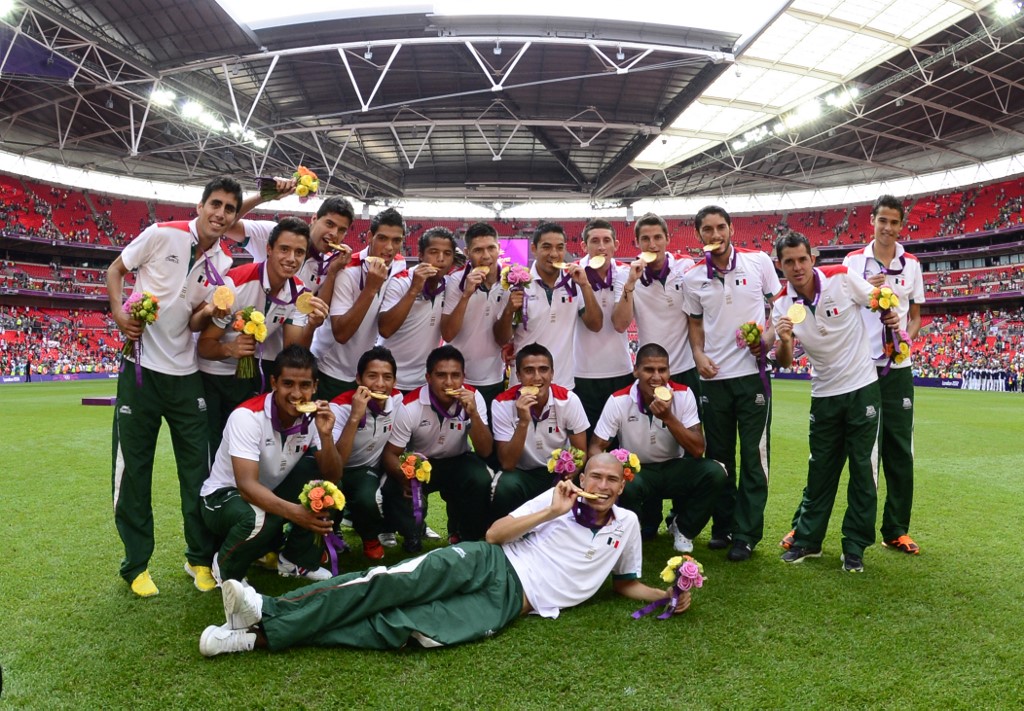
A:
[(943, 629)]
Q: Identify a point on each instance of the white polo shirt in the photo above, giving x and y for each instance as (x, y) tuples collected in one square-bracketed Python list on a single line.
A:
[(551, 324), (604, 354), (250, 434), (166, 266), (475, 340), (562, 417), (419, 334), (257, 237), (562, 563), (727, 300), (419, 428), (908, 285), (833, 334), (253, 290), (644, 434), (339, 360), (660, 318), (372, 434)]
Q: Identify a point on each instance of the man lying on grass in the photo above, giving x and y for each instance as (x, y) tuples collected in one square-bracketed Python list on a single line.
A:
[(554, 551)]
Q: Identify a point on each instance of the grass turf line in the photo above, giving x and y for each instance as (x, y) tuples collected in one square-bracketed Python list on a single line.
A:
[(940, 628)]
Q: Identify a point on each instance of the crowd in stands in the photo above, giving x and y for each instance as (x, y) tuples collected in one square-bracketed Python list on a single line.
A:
[(974, 282), (56, 341)]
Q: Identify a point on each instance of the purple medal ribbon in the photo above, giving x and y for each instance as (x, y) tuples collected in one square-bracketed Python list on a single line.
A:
[(648, 275), (526, 306), (417, 501), (584, 515), (596, 282), (430, 292), (462, 282), (640, 403), (762, 369), (375, 408), (441, 412), (301, 426), (817, 291), (566, 281), (669, 602), (334, 545), (291, 283), (712, 267), (884, 269)]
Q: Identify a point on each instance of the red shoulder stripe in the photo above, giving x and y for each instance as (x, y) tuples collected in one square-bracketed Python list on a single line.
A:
[(508, 395), (559, 392), (255, 403), (856, 251), (624, 391), (470, 388), (345, 398), (678, 387), (833, 269), (413, 396), (244, 273), (176, 225), (908, 255)]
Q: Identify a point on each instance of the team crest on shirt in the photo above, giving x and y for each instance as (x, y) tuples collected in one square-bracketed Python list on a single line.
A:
[(832, 312), (172, 258)]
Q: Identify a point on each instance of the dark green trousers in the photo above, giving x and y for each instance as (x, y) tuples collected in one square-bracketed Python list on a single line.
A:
[(247, 532), (594, 393), (447, 596), (843, 427), (693, 485), (739, 405), (180, 400), (896, 447), (513, 488), (329, 388), (223, 394), (361, 486), (464, 483)]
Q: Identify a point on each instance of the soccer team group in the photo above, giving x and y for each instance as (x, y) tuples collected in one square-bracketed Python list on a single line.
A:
[(345, 378)]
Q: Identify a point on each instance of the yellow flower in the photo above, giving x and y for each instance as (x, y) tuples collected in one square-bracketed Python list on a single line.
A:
[(314, 186), (675, 562), (883, 303), (301, 190), (669, 574), (634, 462), (250, 328), (551, 466), (426, 467), (261, 333), (257, 317), (306, 180)]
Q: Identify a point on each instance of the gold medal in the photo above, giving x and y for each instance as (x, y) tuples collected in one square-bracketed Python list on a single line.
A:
[(597, 261), (481, 269), (648, 257), (334, 246), (223, 297), (529, 390), (373, 260), (663, 393), (710, 247), (797, 313), (306, 407), (560, 265), (452, 391), (304, 303), (379, 396)]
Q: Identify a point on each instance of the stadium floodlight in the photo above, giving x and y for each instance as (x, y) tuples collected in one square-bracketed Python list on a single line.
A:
[(1008, 8), (6, 6), (162, 97), (192, 109)]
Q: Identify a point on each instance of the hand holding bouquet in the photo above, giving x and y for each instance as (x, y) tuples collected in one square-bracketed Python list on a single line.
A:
[(252, 323)]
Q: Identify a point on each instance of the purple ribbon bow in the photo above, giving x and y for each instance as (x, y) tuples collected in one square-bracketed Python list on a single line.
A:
[(712, 267), (648, 275), (334, 545), (273, 299), (596, 282)]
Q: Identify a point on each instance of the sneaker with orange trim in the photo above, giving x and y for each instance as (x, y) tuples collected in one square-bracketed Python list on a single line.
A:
[(373, 549), (787, 541), (903, 544)]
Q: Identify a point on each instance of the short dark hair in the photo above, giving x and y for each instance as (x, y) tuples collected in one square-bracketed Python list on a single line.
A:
[(295, 356), (790, 240), (289, 224), (376, 353), (479, 229), (436, 233), (891, 202), (228, 185), (533, 349), (698, 220), (389, 217), (650, 350), (649, 219), (544, 228), (598, 223), (337, 205), (445, 352)]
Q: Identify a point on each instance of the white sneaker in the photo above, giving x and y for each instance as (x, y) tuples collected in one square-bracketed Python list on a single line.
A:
[(243, 606), (680, 542), (215, 571), (431, 534), (223, 640), (388, 540), (287, 569)]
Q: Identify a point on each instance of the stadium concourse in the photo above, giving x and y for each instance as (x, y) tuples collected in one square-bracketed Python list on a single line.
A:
[(57, 243)]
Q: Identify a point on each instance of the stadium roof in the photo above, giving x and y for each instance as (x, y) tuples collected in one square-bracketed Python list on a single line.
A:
[(431, 101)]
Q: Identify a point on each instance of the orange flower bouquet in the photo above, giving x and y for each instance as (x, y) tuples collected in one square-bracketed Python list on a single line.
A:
[(416, 469)]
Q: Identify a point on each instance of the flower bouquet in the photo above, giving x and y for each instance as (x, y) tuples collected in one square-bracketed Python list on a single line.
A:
[(143, 307), (565, 463), (895, 343), (253, 323), (747, 335), (308, 183), (630, 462), (417, 470), (513, 277), (319, 496), (683, 573)]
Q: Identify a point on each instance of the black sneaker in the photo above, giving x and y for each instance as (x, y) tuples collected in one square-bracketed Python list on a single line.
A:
[(412, 544), (796, 554), (852, 563), (740, 551), (720, 543)]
